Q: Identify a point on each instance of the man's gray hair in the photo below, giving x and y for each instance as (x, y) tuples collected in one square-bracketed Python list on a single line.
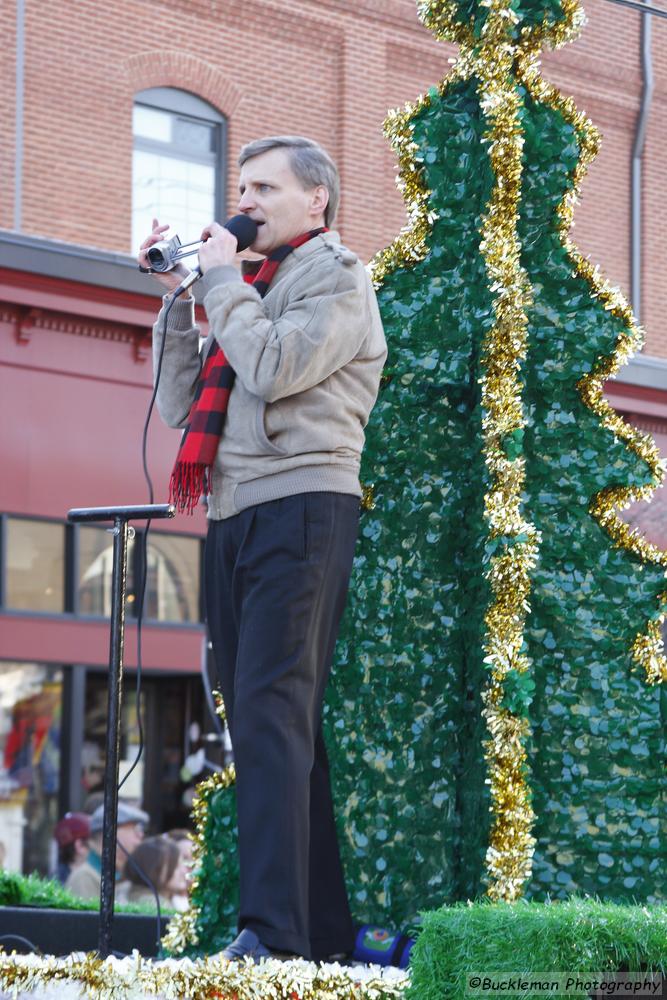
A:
[(310, 163)]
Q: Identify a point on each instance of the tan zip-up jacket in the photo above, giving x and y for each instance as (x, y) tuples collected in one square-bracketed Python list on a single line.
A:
[(308, 359)]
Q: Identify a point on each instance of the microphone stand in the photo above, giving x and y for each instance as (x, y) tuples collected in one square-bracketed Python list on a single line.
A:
[(121, 516)]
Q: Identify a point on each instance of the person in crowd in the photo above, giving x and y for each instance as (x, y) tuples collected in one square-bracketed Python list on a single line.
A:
[(93, 802), (158, 860), (71, 834), (85, 880), (183, 840), (275, 409)]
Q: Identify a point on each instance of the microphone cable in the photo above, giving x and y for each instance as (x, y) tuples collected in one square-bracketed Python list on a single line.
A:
[(151, 885), (141, 564), (35, 949)]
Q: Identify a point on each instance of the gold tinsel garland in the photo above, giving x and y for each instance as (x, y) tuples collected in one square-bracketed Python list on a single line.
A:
[(367, 496), (410, 246), (126, 979), (648, 647), (511, 844), (509, 857)]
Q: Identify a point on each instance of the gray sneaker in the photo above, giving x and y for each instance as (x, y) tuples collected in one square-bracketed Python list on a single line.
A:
[(246, 945)]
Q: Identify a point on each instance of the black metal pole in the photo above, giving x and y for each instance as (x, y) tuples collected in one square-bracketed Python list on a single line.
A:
[(112, 760), (121, 531)]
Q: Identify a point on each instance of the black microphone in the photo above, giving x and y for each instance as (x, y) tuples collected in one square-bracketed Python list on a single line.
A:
[(243, 228)]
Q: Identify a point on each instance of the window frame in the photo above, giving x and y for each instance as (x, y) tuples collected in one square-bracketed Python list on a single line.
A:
[(71, 556), (184, 104)]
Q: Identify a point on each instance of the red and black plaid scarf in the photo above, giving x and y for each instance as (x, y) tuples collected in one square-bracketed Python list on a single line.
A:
[(201, 437)]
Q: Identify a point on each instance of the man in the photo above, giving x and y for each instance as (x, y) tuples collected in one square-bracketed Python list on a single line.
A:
[(302, 334), (85, 880)]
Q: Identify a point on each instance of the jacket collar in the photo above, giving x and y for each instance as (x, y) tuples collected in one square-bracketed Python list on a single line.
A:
[(299, 253)]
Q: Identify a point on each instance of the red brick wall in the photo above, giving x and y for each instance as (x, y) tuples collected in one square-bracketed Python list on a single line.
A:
[(602, 71), (7, 114), (329, 69)]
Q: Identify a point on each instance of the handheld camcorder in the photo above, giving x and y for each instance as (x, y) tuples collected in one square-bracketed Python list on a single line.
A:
[(165, 255)]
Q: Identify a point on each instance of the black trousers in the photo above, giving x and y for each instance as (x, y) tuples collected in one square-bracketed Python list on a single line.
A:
[(277, 576)]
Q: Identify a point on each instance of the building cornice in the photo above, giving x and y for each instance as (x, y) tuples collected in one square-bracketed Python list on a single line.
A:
[(645, 371), (70, 262)]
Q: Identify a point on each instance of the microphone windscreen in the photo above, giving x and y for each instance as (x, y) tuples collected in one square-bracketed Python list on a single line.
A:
[(243, 228)]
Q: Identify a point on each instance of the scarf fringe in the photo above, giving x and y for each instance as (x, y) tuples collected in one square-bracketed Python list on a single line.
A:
[(188, 481)]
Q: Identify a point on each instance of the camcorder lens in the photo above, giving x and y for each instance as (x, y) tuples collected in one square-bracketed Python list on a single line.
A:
[(157, 259)]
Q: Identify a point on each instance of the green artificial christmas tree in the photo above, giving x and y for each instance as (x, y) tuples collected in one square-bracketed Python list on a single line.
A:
[(495, 721)]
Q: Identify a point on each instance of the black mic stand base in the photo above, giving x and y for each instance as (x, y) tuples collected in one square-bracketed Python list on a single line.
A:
[(121, 516)]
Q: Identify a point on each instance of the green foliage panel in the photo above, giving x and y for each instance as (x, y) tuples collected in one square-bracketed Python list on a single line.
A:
[(402, 718), (216, 895), (598, 754)]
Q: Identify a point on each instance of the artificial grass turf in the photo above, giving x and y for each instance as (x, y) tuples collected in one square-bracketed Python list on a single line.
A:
[(31, 890), (585, 937)]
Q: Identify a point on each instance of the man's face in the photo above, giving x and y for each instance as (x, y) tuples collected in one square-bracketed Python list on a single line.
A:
[(129, 835), (274, 197)]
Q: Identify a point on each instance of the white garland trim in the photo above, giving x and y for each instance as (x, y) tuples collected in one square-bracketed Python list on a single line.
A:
[(82, 975)]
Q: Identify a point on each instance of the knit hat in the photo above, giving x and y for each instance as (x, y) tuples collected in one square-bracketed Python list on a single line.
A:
[(73, 826), (126, 814)]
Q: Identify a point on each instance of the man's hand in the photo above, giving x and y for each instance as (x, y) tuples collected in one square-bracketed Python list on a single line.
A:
[(170, 279), (219, 248)]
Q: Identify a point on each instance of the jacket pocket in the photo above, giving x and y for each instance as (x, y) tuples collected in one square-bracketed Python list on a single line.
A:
[(266, 445)]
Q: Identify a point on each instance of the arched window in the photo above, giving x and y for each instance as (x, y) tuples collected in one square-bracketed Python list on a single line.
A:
[(178, 163)]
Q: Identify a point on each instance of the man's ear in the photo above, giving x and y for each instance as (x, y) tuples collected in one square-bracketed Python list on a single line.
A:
[(320, 200)]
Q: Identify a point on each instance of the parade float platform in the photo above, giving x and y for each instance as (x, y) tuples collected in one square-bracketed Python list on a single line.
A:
[(581, 947)]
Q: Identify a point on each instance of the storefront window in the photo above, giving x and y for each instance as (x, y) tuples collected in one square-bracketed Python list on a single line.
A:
[(176, 724), (172, 589), (30, 707), (35, 565), (94, 572), (181, 745), (93, 753)]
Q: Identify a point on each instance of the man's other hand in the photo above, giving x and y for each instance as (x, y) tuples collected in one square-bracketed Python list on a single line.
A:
[(170, 279)]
